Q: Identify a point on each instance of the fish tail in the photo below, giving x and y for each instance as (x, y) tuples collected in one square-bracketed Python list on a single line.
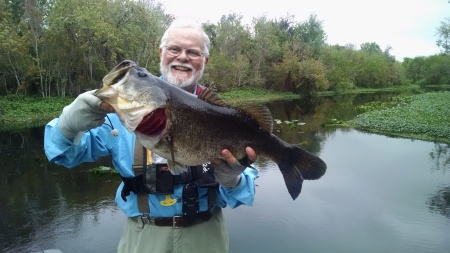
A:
[(300, 165)]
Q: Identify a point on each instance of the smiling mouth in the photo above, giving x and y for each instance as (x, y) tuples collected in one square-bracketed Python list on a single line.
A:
[(181, 68)]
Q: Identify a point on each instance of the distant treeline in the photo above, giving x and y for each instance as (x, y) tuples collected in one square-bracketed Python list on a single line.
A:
[(63, 47)]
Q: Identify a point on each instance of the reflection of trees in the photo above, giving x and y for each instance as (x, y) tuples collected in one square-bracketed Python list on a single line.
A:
[(313, 111), (37, 195), (440, 202), (441, 156)]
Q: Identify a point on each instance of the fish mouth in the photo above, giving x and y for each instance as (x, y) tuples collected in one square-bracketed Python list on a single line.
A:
[(138, 103), (118, 73)]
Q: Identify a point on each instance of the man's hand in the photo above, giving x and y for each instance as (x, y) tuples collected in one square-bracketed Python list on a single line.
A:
[(85, 112), (228, 172)]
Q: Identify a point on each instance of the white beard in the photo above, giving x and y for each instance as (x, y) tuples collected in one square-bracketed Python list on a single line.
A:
[(180, 79)]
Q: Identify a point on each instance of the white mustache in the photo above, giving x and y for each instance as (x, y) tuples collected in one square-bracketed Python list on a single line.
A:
[(185, 65)]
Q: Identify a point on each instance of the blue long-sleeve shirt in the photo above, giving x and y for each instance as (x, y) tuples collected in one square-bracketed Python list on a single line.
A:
[(99, 142)]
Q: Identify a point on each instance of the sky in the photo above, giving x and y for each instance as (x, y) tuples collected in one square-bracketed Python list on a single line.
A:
[(409, 27)]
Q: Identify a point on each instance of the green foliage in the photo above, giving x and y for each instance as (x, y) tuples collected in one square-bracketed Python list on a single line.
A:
[(424, 116), (443, 31), (61, 48), (18, 112), (305, 76), (341, 67), (252, 95), (370, 69), (102, 170), (379, 105), (334, 122), (428, 70), (371, 48)]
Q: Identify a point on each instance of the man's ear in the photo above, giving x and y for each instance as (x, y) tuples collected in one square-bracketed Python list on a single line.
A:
[(160, 53), (206, 60)]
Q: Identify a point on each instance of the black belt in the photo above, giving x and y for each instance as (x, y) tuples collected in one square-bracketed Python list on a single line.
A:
[(175, 221)]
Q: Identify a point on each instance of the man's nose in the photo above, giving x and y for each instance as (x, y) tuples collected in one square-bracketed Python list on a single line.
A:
[(183, 56)]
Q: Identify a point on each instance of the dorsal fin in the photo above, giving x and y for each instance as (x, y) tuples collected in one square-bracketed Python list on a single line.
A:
[(261, 114), (211, 97)]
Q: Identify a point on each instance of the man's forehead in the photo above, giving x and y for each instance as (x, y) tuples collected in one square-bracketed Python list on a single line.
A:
[(185, 36)]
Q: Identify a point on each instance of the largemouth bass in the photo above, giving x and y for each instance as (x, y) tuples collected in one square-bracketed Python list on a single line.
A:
[(190, 130)]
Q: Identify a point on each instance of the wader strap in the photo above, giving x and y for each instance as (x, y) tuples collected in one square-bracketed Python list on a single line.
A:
[(211, 197), (145, 156), (143, 204)]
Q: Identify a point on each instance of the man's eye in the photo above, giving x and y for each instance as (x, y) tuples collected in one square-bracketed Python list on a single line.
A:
[(175, 50), (194, 53)]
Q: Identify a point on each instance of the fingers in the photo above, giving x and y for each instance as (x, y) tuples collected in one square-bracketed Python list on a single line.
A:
[(228, 156), (231, 159), (250, 153), (95, 102)]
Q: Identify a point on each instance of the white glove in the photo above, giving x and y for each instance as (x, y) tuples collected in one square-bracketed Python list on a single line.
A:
[(228, 175), (82, 114)]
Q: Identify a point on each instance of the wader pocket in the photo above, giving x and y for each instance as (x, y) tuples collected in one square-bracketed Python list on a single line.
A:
[(158, 179), (205, 175)]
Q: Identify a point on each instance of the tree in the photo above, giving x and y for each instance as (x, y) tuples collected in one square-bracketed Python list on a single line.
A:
[(17, 63), (306, 76), (371, 48), (414, 68), (443, 31), (312, 35), (230, 40), (265, 50), (341, 66), (437, 70), (34, 16)]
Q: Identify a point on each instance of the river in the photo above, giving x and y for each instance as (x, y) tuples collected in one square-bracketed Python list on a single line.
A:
[(380, 194)]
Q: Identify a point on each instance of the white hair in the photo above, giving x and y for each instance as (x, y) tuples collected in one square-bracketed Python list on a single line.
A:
[(187, 23)]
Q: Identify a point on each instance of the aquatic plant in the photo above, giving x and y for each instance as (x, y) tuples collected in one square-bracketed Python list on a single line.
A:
[(425, 116), (18, 112)]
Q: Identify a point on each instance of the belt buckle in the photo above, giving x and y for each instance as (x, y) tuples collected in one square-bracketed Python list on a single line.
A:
[(145, 218), (174, 222)]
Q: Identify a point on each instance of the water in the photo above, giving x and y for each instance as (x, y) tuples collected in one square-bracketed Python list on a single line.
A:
[(377, 196), (380, 194)]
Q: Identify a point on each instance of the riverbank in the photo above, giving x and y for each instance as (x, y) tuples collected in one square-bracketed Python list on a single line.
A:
[(424, 116), (19, 112)]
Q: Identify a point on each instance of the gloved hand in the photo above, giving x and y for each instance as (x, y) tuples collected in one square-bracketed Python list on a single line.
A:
[(82, 114), (228, 172)]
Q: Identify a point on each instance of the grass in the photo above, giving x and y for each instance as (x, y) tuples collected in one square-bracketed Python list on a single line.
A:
[(371, 90), (248, 96)]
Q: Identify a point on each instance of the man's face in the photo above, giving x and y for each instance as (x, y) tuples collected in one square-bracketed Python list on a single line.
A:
[(183, 70)]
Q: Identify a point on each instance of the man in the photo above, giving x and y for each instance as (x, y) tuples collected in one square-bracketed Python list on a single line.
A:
[(186, 216)]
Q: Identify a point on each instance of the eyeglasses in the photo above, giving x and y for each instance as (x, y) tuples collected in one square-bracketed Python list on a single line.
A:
[(191, 53)]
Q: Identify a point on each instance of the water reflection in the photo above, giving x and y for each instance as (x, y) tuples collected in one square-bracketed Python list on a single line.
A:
[(441, 156), (439, 202), (377, 189), (41, 201)]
